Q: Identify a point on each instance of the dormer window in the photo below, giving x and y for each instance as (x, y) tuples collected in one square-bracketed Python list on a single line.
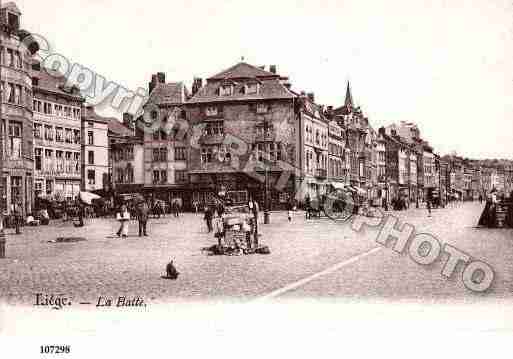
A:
[(251, 88), (226, 90), (13, 21), (211, 111), (262, 108)]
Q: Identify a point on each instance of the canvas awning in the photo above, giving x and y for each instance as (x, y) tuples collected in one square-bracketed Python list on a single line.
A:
[(338, 185)]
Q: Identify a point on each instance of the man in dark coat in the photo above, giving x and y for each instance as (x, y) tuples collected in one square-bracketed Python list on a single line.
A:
[(208, 218), (142, 217)]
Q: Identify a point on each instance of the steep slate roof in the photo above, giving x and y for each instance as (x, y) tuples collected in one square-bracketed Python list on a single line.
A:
[(349, 97), (269, 89), (117, 128), (11, 6), (54, 84), (169, 93), (242, 70)]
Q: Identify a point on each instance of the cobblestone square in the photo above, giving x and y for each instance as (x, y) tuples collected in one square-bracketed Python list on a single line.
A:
[(105, 265)]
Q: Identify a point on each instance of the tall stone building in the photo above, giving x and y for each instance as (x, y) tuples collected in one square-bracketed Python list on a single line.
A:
[(356, 125), (165, 139), (16, 132), (245, 128), (57, 137)]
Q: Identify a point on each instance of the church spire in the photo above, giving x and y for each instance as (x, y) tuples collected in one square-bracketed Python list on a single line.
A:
[(349, 98)]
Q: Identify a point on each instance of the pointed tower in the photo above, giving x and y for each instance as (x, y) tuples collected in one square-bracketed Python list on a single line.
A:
[(349, 98)]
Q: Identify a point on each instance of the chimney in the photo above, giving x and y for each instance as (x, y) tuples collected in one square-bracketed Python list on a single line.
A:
[(153, 83), (128, 120), (161, 77), (272, 68), (197, 84), (311, 96)]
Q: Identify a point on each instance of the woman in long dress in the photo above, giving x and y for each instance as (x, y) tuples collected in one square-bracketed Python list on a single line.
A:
[(123, 217), (489, 216)]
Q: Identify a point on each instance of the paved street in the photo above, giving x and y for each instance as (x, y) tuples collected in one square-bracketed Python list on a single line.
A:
[(108, 266)]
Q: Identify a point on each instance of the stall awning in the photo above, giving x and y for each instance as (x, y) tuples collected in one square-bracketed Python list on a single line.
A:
[(338, 185), (357, 190)]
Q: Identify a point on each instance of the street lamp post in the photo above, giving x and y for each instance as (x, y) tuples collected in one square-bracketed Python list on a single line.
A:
[(266, 196)]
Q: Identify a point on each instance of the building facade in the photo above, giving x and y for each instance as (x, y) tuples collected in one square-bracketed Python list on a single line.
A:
[(166, 150), (245, 129), (57, 137), (16, 132), (95, 151)]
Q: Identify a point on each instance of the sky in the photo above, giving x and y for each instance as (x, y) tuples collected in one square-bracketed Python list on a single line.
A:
[(445, 65)]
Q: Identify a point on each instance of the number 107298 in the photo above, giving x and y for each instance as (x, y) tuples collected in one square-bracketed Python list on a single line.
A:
[(55, 349)]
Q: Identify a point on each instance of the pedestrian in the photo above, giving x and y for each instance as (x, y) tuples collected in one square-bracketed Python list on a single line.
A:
[(384, 203), (208, 218), (142, 218), (308, 206), (289, 212), (123, 217), (428, 205), (17, 211), (195, 204), (176, 208)]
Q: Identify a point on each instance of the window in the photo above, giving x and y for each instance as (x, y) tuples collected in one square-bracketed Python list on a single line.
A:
[(129, 153), (180, 153), (76, 158), (16, 189), (251, 89), (181, 176), (90, 138), (36, 105), (156, 176), (90, 157), (69, 165), (91, 176), (163, 154), (214, 128), (211, 111), (38, 153), (58, 110), (10, 93), (48, 133), (265, 130), (262, 108), (69, 135), (37, 130), (76, 136), (270, 151), (129, 174), (17, 94), (159, 154), (208, 153), (76, 113), (226, 90), (120, 175), (163, 176), (58, 134), (47, 108), (14, 145), (59, 161)]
